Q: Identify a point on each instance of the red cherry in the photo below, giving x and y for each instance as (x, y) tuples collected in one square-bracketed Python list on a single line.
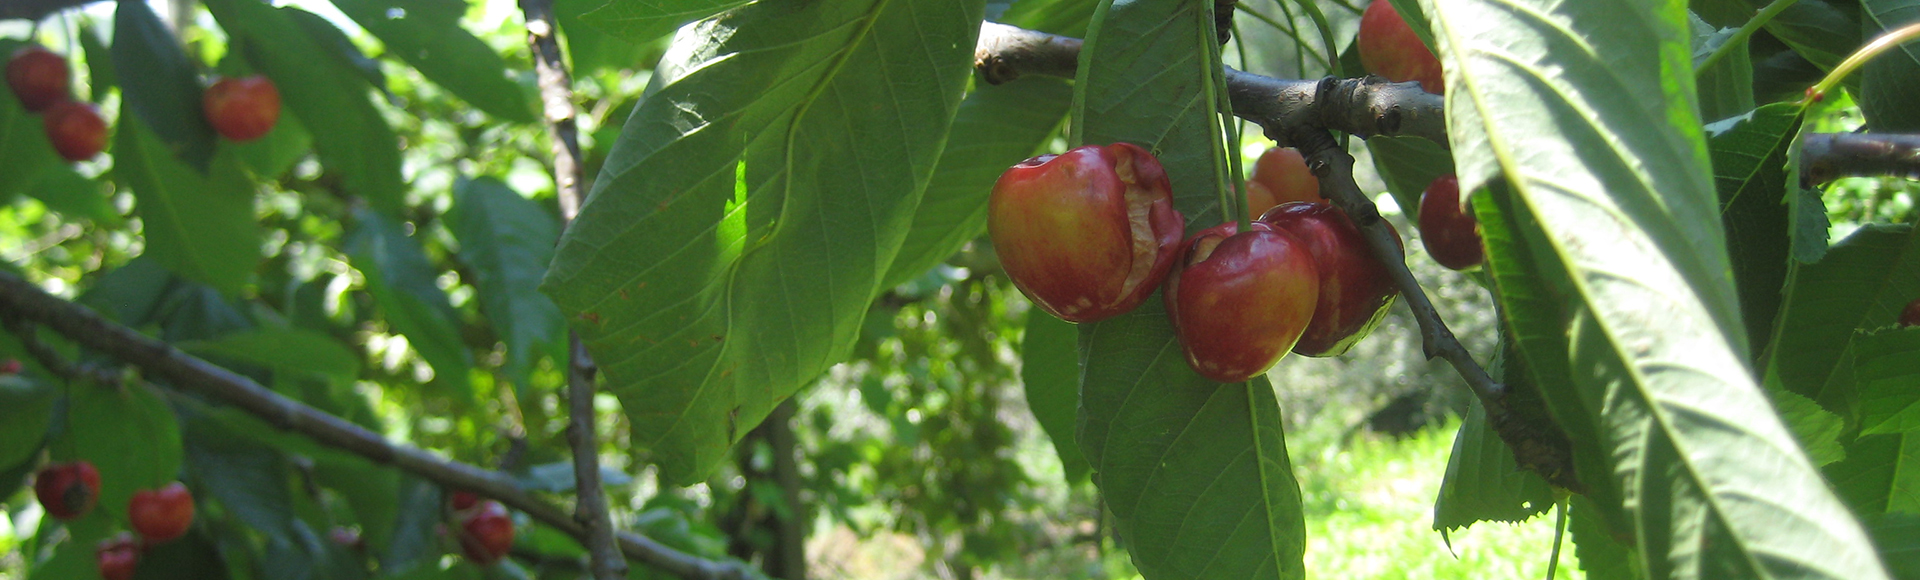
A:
[(10, 367), (1087, 234), (67, 490), (1389, 48), (1911, 315), (1355, 288), (75, 129), (1239, 301), (242, 109), (487, 533), (38, 77), (117, 557), (163, 514), (1448, 230), (1280, 176)]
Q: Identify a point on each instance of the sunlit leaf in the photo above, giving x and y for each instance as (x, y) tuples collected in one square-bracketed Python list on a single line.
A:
[(508, 240), (402, 283), (158, 83), (1050, 373), (200, 225), (427, 35)]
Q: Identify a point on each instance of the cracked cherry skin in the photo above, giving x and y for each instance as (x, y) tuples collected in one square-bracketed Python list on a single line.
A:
[(1280, 176), (38, 77), (1389, 48), (1240, 301), (1448, 230), (1087, 234), (1355, 288), (67, 490), (160, 515), (242, 109), (75, 129), (116, 558)]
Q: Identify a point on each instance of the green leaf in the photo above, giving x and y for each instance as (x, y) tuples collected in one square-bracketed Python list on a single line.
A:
[(1589, 111), (128, 433), (1050, 374), (1880, 474), (1886, 368), (1196, 472), (273, 154), (1897, 535), (507, 241), (337, 46), (24, 149), (159, 84), (1750, 175), (100, 70), (751, 207), (1862, 284), (644, 20), (997, 127), (26, 408), (349, 134), (67, 192), (1063, 17), (1483, 482), (200, 226), (402, 282), (1602, 556), (1890, 83), (1726, 89), (1817, 428), (286, 350), (1408, 165), (427, 35), (1823, 31), (590, 49)]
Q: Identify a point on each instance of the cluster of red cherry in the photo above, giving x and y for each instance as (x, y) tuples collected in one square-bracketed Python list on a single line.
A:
[(240, 109), (70, 490)]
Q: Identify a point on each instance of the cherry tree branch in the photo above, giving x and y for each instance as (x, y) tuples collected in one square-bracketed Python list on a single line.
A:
[(1825, 157), (1364, 106), (22, 301), (556, 98)]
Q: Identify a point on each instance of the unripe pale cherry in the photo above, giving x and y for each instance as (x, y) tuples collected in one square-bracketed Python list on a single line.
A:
[(1389, 48), (1355, 288), (1239, 301), (1448, 229), (38, 77), (1087, 234), (1280, 176)]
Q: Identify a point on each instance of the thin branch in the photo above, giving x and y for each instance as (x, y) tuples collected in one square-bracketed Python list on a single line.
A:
[(1825, 157), (556, 99), (21, 300), (1364, 106)]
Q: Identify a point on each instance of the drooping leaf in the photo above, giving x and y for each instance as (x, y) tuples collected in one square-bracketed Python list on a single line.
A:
[(427, 35), (401, 280), (1483, 483), (1890, 83), (1880, 474), (159, 85), (1862, 284), (1750, 175), (1817, 428), (645, 20), (1195, 472), (100, 70), (200, 225), (334, 44), (129, 434), (1589, 111), (1602, 555), (65, 191), (590, 49), (1886, 372), (1726, 88), (1823, 31), (1897, 536), (26, 408), (751, 208), (1050, 373), (997, 127), (349, 134), (24, 149), (286, 350), (508, 240)]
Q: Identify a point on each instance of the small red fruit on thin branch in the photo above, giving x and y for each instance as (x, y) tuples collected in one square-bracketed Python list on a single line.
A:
[(1355, 288), (1239, 301), (160, 515), (38, 77), (67, 490), (242, 109), (75, 129), (10, 366), (1389, 48), (1280, 176), (487, 533), (1911, 315), (1087, 234), (1448, 229), (117, 557)]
